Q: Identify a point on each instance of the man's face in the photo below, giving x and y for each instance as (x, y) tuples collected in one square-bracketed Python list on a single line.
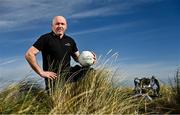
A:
[(59, 25)]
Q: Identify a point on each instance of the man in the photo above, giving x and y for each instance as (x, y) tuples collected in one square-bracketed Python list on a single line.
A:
[(57, 49)]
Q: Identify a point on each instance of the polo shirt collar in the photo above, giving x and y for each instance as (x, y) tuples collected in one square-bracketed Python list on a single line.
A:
[(56, 35)]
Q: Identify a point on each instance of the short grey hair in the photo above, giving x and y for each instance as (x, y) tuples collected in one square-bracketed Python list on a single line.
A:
[(53, 20)]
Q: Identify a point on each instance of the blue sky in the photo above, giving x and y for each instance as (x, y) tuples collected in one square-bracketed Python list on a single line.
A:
[(144, 34)]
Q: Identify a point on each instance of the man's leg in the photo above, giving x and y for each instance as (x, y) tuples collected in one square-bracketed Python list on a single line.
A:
[(49, 86)]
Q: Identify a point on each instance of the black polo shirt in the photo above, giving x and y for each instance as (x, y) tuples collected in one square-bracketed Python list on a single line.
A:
[(56, 52)]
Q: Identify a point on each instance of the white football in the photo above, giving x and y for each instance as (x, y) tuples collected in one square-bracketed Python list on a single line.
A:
[(86, 58)]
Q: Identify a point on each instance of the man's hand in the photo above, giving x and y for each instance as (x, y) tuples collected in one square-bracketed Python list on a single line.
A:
[(48, 74), (94, 58)]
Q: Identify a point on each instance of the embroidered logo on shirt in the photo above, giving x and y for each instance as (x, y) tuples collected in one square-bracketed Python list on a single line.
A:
[(67, 44)]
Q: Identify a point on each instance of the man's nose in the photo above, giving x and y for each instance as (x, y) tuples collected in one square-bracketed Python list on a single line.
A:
[(59, 25)]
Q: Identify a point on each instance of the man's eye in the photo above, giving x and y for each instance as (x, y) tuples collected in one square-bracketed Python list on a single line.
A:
[(60, 23)]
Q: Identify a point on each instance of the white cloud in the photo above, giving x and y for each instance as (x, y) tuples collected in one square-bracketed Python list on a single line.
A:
[(6, 23), (120, 26), (16, 41), (15, 69), (18, 13), (104, 11), (21, 13), (7, 62), (111, 7), (125, 73), (158, 69), (94, 30)]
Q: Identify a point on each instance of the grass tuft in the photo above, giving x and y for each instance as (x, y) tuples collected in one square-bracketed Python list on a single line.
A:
[(94, 94)]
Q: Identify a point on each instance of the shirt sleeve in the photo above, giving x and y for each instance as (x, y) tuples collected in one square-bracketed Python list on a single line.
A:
[(39, 44), (74, 48)]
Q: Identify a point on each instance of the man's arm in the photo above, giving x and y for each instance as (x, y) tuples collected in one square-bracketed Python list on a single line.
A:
[(76, 56), (31, 58)]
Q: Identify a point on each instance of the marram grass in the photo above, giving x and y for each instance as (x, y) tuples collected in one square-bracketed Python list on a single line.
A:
[(94, 94)]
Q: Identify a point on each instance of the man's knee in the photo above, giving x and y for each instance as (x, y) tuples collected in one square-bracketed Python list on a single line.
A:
[(78, 72)]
